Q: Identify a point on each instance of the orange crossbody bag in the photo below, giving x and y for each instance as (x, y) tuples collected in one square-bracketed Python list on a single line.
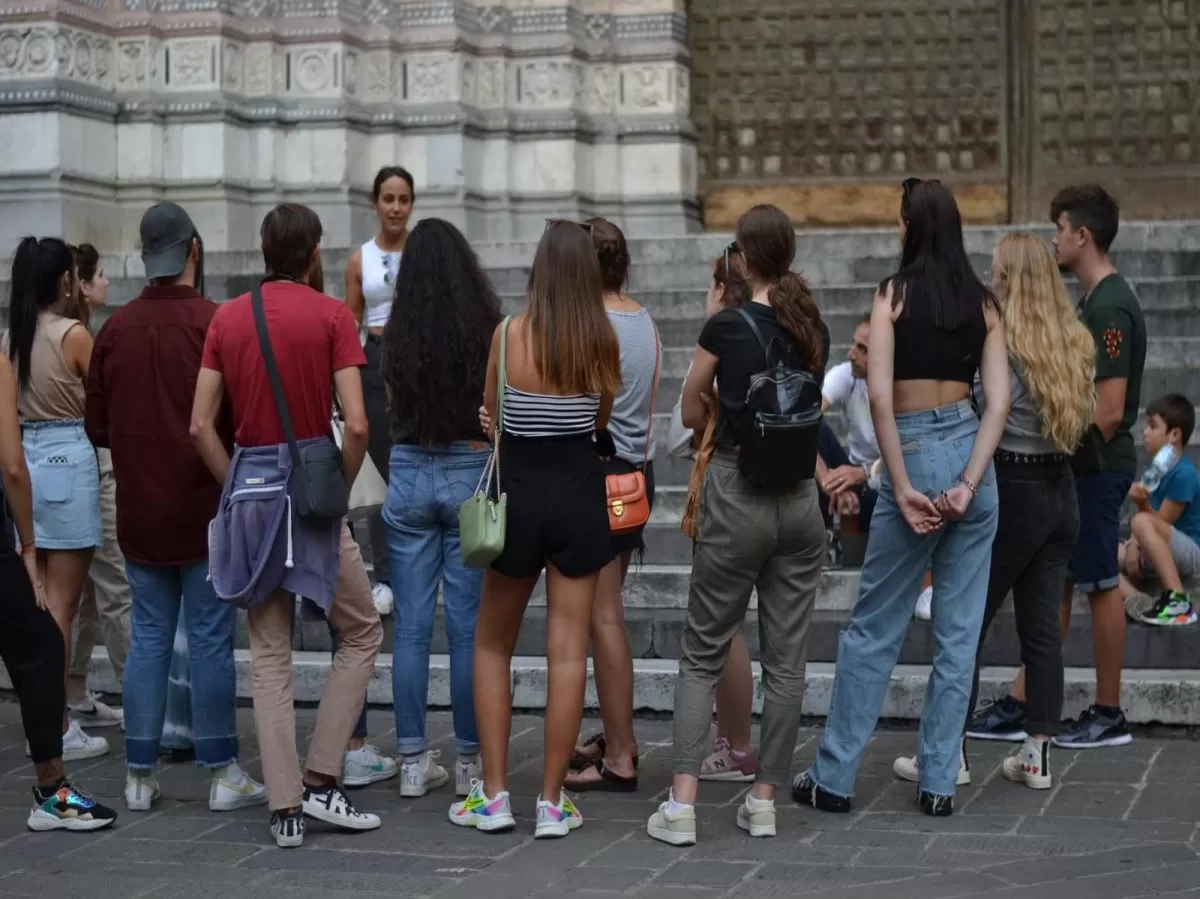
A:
[(628, 504)]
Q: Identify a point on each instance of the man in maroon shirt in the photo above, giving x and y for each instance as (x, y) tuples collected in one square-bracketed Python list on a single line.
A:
[(140, 382), (316, 347)]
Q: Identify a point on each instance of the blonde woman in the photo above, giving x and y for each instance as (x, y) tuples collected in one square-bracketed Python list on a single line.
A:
[(1052, 363)]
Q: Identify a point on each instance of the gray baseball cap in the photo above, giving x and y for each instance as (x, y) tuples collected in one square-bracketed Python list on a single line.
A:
[(166, 233)]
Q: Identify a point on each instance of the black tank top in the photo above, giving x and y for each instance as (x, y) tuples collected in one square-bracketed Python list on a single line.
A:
[(925, 352)]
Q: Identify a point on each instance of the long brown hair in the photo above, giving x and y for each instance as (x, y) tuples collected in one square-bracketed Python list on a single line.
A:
[(737, 290), (767, 242), (575, 349)]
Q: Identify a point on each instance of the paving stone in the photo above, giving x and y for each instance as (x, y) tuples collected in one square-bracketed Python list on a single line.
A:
[(1177, 802), (616, 879), (780, 881), (718, 875), (1092, 800), (1065, 867), (873, 839), (1131, 830)]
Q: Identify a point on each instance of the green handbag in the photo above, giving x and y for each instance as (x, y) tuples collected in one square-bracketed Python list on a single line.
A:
[(482, 520)]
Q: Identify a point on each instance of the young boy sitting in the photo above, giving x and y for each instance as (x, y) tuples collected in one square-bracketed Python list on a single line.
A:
[(1166, 527)]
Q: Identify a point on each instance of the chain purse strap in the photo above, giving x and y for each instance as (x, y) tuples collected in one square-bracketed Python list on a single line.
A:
[(493, 463)]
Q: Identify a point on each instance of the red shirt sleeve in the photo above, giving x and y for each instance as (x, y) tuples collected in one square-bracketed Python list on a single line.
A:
[(347, 348), (212, 344)]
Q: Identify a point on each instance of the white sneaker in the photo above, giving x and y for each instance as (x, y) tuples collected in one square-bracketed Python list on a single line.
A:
[(232, 788), (924, 610), (334, 807), (78, 746), (757, 816), (382, 594), (140, 792), (94, 713), (678, 829), (1030, 764), (467, 770), (420, 775), (362, 767), (288, 830), (906, 768), (556, 819)]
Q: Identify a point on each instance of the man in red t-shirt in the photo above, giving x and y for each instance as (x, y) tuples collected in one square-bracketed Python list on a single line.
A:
[(316, 347)]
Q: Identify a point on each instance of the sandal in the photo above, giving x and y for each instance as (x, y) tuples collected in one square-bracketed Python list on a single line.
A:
[(579, 761), (609, 782)]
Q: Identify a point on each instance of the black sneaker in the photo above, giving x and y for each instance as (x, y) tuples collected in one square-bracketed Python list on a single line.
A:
[(288, 829), (334, 807), (934, 805), (1095, 729), (1001, 719), (66, 807), (806, 792)]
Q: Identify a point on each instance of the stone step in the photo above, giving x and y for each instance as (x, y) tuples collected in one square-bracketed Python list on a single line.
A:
[(1148, 696)]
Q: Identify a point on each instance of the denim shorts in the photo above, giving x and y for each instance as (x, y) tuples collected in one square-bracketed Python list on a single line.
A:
[(1094, 562), (66, 484)]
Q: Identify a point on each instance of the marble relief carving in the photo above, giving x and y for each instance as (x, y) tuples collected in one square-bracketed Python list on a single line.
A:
[(377, 77), (258, 68), (192, 63), (56, 51), (312, 70), (231, 66), (545, 84)]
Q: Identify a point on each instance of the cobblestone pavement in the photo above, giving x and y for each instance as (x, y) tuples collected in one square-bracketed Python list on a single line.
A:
[(1119, 823)]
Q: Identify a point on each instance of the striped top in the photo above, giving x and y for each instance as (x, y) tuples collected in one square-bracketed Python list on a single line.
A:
[(545, 415), (630, 423)]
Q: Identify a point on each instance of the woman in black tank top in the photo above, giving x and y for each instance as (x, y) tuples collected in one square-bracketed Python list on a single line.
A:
[(934, 324)]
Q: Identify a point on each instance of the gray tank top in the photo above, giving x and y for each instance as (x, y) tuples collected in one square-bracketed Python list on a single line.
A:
[(630, 424), (1023, 428)]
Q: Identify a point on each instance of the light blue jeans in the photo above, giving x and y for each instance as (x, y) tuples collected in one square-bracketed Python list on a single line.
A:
[(425, 490), (158, 593), (937, 445)]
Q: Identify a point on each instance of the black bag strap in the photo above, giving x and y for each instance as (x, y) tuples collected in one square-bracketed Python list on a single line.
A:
[(264, 343), (762, 341)]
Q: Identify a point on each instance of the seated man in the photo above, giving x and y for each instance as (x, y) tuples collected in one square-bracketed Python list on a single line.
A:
[(1166, 528)]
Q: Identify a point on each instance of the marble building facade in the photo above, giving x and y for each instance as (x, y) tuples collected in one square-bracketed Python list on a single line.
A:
[(505, 113)]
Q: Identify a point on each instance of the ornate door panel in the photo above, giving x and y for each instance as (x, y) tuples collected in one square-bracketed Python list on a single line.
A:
[(823, 106), (1114, 97)]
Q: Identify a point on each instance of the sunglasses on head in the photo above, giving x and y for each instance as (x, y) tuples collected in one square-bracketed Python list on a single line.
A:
[(550, 223), (732, 248)]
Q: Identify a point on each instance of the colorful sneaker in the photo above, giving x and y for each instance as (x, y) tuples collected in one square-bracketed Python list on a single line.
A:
[(906, 767), (675, 827), (467, 770), (556, 820), (78, 746), (365, 766), (67, 808), (232, 788), (723, 764), (421, 774), (288, 830), (1001, 719), (1095, 729), (482, 813), (94, 713), (1029, 765), (332, 806), (757, 816), (1171, 610), (806, 792), (140, 791)]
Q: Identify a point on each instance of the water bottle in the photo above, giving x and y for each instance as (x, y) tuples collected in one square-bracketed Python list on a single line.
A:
[(1164, 460)]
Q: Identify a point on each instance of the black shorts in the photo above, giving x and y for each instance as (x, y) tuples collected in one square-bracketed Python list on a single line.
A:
[(631, 542), (556, 507)]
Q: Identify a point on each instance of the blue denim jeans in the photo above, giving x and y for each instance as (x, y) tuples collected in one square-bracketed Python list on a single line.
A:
[(937, 445), (425, 490), (159, 591)]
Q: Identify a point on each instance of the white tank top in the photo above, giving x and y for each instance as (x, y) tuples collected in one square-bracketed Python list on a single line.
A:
[(378, 282)]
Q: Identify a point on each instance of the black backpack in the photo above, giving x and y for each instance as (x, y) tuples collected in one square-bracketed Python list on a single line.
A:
[(779, 445)]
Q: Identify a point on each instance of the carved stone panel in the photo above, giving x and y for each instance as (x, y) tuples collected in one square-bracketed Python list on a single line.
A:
[(834, 96), (55, 51)]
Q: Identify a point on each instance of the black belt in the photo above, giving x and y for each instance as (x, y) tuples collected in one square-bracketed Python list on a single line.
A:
[(1045, 460)]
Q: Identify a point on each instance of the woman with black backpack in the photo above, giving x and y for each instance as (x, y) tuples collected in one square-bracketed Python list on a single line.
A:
[(759, 524)]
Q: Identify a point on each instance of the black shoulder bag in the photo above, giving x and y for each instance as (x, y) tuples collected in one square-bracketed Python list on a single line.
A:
[(318, 486)]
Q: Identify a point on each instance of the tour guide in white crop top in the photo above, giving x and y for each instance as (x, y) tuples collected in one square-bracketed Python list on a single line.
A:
[(370, 284)]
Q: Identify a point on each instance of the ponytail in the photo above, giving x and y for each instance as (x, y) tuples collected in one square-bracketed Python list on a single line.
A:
[(37, 270), (793, 302)]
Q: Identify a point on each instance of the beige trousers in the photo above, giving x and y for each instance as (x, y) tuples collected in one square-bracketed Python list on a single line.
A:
[(104, 606), (359, 631)]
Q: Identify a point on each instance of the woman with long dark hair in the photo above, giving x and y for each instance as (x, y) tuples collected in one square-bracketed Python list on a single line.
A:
[(51, 350), (435, 350), (370, 287), (934, 324), (563, 368), (759, 522)]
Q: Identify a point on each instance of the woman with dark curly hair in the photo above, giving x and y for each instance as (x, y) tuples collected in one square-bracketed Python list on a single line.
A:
[(435, 352)]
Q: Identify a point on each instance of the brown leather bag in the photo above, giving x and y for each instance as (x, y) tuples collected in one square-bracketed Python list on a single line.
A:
[(628, 504), (690, 524)]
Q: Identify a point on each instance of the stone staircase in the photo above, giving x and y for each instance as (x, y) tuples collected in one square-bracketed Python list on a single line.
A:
[(670, 277)]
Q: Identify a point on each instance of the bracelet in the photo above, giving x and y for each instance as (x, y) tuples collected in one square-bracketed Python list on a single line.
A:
[(27, 544), (966, 482)]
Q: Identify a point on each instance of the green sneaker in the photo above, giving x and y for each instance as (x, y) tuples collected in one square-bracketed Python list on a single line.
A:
[(1173, 609)]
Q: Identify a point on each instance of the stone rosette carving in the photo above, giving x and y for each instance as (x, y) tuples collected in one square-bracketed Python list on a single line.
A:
[(56, 51)]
